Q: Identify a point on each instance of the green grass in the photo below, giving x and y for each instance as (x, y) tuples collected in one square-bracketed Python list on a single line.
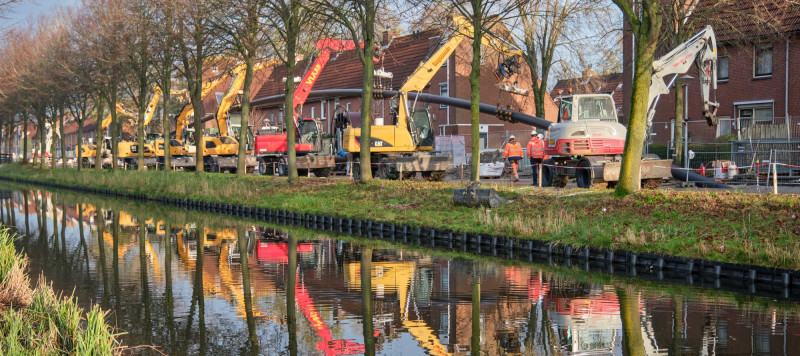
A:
[(40, 322), (728, 226)]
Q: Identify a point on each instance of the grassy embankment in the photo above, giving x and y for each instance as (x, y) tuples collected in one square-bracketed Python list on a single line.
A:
[(731, 227), (39, 322)]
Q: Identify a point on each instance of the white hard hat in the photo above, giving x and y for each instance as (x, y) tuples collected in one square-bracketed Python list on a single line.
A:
[(541, 136), (512, 138), (533, 133)]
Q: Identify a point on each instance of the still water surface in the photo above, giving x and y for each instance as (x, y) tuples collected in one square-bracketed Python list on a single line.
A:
[(189, 283)]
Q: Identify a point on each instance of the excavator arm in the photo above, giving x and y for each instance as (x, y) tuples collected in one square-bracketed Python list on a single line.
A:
[(700, 49), (230, 96), (180, 122), (151, 106)]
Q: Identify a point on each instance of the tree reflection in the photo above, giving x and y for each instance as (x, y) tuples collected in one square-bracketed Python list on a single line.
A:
[(252, 339), (632, 342), (475, 340), (147, 327), (366, 301), (291, 283)]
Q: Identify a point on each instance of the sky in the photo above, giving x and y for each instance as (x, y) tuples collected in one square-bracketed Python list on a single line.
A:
[(33, 8)]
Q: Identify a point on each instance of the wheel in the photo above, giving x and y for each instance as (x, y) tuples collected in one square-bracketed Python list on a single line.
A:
[(583, 174), (559, 181), (388, 170), (434, 176), (409, 175), (322, 172), (548, 172), (282, 169), (302, 173), (652, 183), (356, 170)]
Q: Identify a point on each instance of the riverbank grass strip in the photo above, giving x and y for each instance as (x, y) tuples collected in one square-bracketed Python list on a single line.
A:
[(40, 322)]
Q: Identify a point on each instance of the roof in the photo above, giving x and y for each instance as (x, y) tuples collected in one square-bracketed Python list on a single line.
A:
[(344, 71), (737, 20), (592, 83)]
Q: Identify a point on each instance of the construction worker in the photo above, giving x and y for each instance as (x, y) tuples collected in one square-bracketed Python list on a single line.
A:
[(513, 153), (536, 154)]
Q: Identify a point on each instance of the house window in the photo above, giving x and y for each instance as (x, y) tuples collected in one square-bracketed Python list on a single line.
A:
[(754, 115), (347, 106), (762, 66), (444, 90), (722, 68), (322, 110), (272, 118), (313, 111), (723, 126)]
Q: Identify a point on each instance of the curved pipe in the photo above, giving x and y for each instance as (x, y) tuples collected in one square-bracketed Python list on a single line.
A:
[(700, 181), (501, 113)]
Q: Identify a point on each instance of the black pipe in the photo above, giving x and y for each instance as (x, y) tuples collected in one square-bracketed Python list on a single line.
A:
[(698, 180), (502, 113)]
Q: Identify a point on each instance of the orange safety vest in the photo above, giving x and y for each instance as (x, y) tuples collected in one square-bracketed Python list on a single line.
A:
[(535, 148), (512, 150)]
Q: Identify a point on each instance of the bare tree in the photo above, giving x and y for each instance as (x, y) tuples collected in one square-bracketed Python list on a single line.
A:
[(289, 20), (548, 25), (196, 44), (164, 37), (138, 50), (484, 15), (358, 18), (245, 34)]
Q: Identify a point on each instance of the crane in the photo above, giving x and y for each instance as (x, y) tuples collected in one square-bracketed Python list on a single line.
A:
[(402, 146), (588, 127)]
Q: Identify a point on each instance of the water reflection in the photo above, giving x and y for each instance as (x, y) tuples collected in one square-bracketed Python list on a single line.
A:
[(198, 284)]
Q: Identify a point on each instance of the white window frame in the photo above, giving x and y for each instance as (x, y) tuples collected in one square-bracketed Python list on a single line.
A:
[(446, 88), (728, 61), (313, 112), (322, 109), (755, 59), (724, 120), (761, 104), (347, 106)]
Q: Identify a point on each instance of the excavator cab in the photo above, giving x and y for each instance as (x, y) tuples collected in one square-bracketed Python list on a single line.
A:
[(422, 127), (587, 107)]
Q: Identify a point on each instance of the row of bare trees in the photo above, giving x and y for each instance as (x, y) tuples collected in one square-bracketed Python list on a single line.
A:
[(81, 61)]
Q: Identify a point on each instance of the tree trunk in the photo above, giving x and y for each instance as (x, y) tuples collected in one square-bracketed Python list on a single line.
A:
[(53, 142), (115, 131), (475, 339), (25, 141), (678, 139), (365, 161), (98, 154), (241, 164), (140, 130), (197, 105), (538, 99), (165, 122), (78, 142), (63, 140), (629, 180), (646, 29), (474, 95), (288, 108), (42, 142)]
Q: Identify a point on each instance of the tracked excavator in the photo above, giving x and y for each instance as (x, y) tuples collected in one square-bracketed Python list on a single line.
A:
[(221, 151), (406, 147), (89, 151), (128, 151), (587, 142), (182, 144)]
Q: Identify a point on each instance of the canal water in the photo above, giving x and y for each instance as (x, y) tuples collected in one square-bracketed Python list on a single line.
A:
[(192, 283)]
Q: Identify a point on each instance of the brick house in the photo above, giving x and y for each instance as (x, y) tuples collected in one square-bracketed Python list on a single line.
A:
[(592, 83), (401, 57), (758, 67)]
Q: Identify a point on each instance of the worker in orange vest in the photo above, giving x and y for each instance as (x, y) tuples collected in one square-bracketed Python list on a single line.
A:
[(513, 153), (536, 154)]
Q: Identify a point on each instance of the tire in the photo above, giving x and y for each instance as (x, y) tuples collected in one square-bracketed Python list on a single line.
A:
[(282, 169), (434, 176), (583, 176), (388, 170), (409, 175), (356, 171), (322, 172), (548, 172)]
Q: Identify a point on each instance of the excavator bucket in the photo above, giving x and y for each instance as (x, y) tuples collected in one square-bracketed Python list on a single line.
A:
[(474, 196)]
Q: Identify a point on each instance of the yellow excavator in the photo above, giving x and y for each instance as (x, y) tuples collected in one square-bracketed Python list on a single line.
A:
[(221, 151), (89, 151), (405, 146), (182, 144), (128, 151)]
